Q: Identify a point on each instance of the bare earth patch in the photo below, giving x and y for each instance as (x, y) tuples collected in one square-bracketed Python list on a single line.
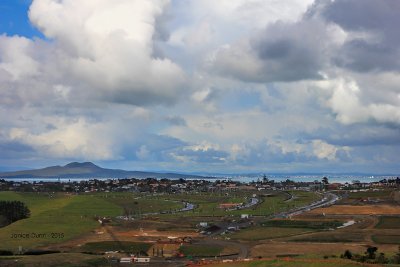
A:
[(109, 233), (358, 210)]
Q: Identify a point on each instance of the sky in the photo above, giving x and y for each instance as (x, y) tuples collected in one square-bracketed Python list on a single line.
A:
[(228, 86)]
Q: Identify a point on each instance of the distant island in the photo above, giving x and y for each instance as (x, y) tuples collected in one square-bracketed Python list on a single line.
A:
[(90, 170)]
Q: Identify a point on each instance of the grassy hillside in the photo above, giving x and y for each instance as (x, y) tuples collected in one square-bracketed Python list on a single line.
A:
[(54, 218)]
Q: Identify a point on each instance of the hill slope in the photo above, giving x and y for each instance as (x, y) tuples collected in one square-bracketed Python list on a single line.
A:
[(88, 170)]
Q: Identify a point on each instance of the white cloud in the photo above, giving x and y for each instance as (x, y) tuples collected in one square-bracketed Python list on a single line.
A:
[(106, 49), (68, 140), (143, 153), (346, 102), (16, 57), (214, 85), (326, 151)]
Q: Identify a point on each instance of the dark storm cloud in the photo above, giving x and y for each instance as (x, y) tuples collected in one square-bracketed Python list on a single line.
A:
[(294, 51), (355, 135), (281, 52), (15, 150), (377, 23), (290, 52), (362, 56), (356, 15)]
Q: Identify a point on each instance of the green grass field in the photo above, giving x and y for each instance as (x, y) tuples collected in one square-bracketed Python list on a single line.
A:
[(388, 222), (208, 204), (318, 225), (331, 237), (59, 217), (304, 197), (262, 233), (136, 204), (58, 259), (382, 194), (53, 218), (386, 239), (200, 250)]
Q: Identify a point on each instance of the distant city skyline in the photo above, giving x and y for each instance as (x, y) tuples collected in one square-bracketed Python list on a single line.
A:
[(201, 86)]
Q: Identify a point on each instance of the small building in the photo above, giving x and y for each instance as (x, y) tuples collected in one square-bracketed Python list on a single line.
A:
[(125, 260), (203, 224), (141, 259)]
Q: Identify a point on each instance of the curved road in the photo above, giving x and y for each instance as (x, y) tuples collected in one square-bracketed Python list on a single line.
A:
[(327, 200)]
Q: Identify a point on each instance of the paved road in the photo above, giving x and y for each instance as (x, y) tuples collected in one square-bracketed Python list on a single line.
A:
[(253, 201), (327, 200)]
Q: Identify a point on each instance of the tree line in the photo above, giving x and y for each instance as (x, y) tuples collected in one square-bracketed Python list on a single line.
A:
[(11, 211), (371, 256)]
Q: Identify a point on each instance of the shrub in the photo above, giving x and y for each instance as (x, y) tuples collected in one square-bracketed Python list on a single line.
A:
[(6, 253), (347, 254), (12, 211), (40, 252)]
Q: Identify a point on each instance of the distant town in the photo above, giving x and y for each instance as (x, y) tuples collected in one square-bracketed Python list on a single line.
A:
[(171, 186)]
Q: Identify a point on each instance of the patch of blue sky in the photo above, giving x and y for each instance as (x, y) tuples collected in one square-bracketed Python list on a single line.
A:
[(14, 19), (240, 100)]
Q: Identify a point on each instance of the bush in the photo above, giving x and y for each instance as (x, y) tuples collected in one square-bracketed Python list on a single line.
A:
[(347, 254), (40, 252), (371, 252), (395, 260), (6, 253), (12, 211), (382, 259)]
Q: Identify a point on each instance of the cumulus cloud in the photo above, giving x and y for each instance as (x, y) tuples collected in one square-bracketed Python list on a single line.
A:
[(98, 49), (281, 52), (67, 140), (334, 41), (201, 153), (96, 53), (346, 102), (16, 57), (327, 151), (374, 36), (225, 85)]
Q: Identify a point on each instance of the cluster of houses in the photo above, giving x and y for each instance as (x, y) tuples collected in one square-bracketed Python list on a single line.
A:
[(152, 185)]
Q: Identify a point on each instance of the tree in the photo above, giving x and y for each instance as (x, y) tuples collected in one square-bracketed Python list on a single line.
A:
[(13, 211), (325, 183), (265, 179), (371, 252), (347, 254)]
